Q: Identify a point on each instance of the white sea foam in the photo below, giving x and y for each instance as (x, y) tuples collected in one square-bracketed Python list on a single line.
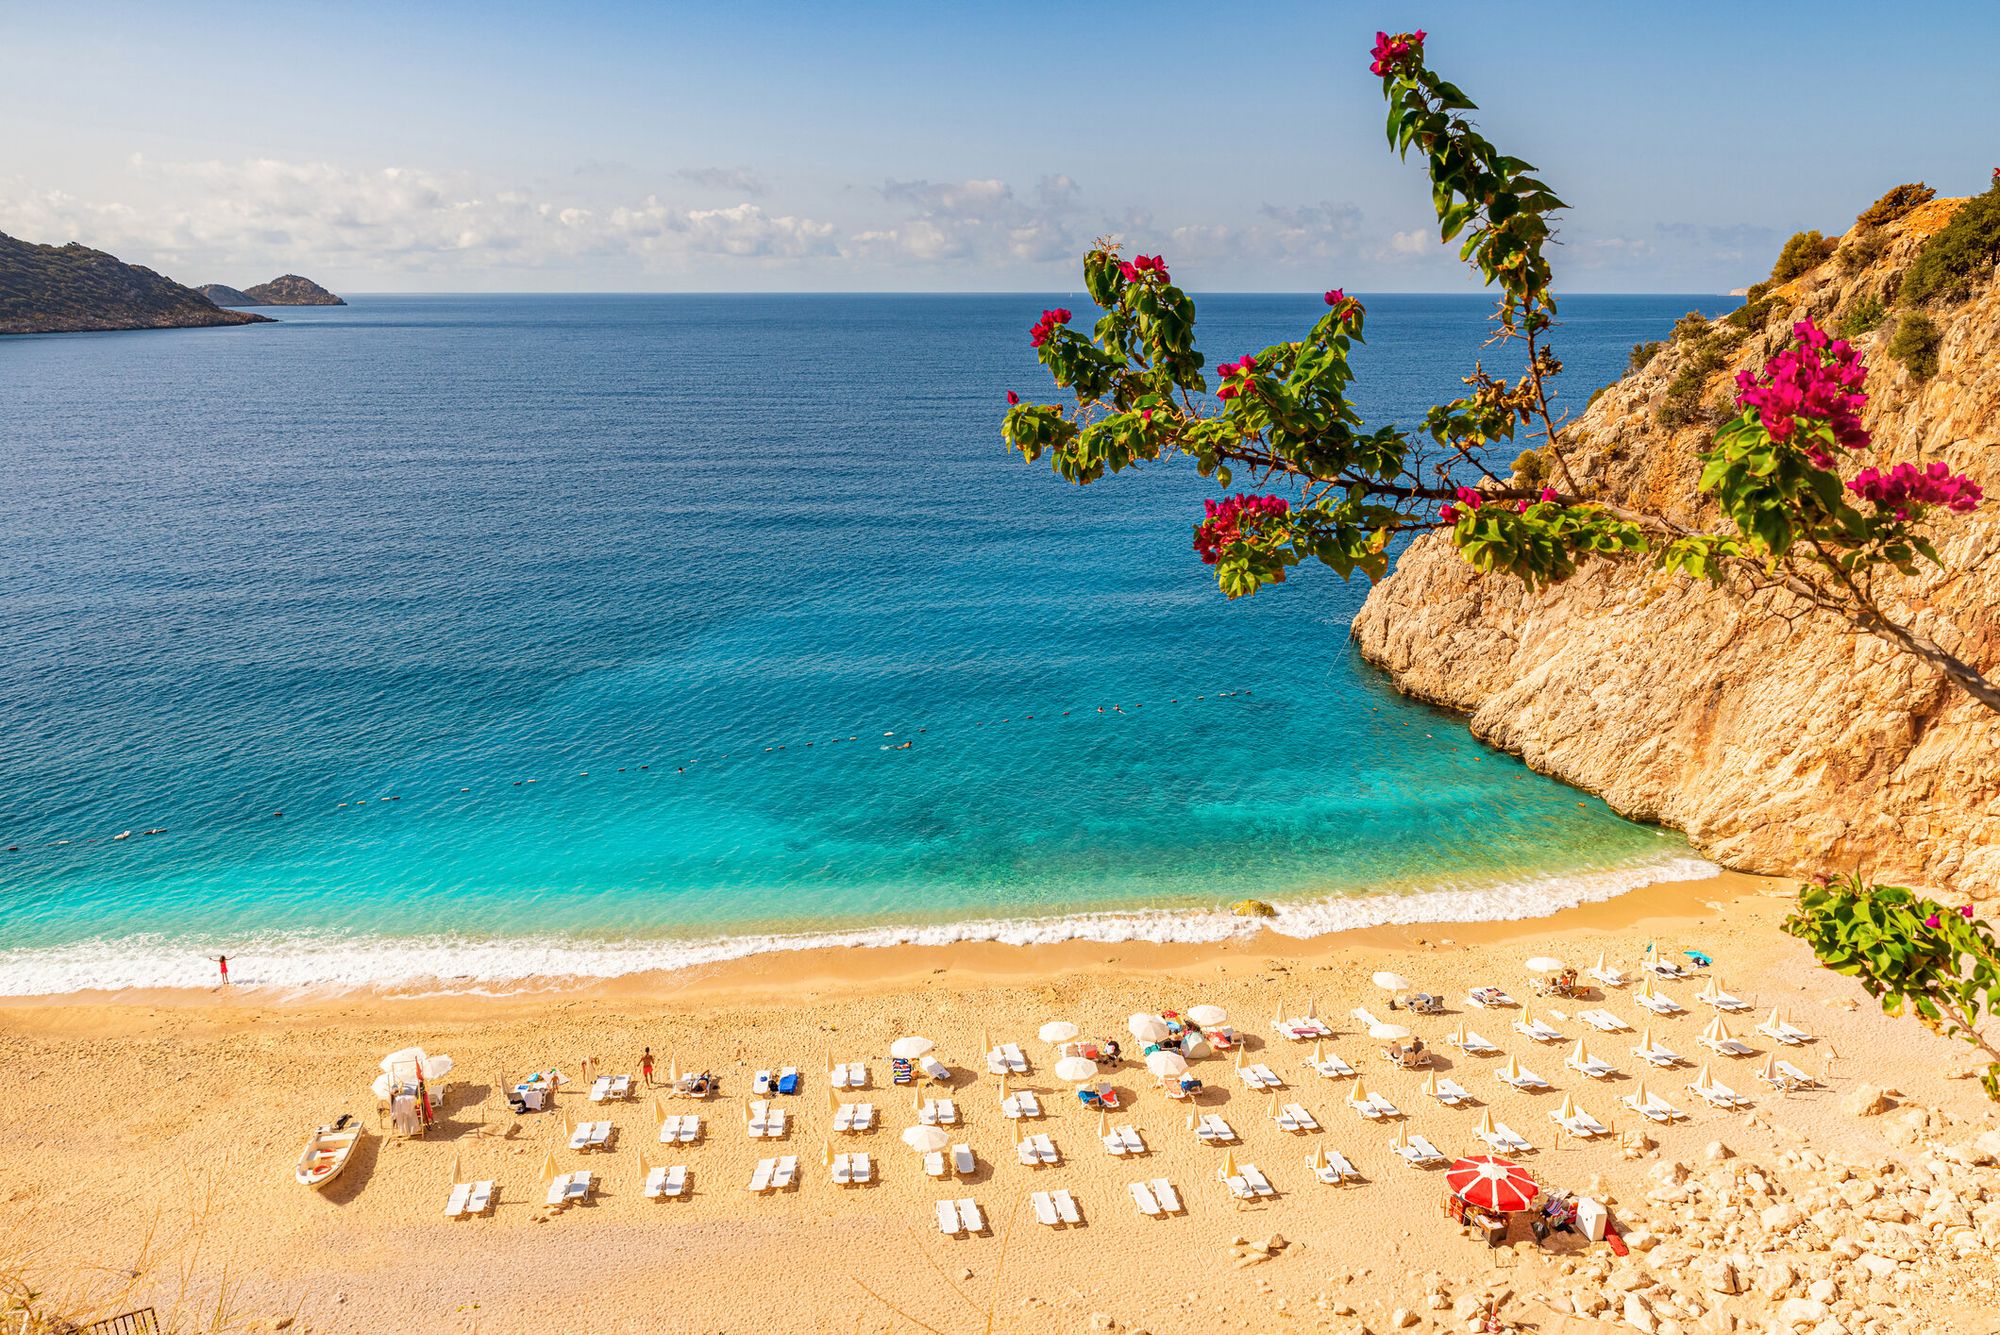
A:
[(309, 961)]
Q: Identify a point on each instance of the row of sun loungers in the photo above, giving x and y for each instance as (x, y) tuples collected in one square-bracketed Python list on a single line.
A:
[(1038, 1151), (1332, 1065), (1156, 1197), (1007, 1059), (960, 1216), (961, 1161), (1022, 1103), (1259, 1076), (853, 1118), (611, 1087), (766, 1121), (567, 1188), (1211, 1128), (848, 1075), (1055, 1207), (1539, 1030), (852, 1169), (1604, 1021), (665, 1182), (1371, 1105), (1123, 1140), (938, 1112), (1335, 1170), (590, 1136), (774, 1174), (1295, 1118), (1418, 1152), (469, 1198), (1302, 1028), (1247, 1182), (1488, 998), (680, 1128)]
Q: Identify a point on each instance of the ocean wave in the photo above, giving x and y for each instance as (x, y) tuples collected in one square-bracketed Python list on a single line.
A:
[(308, 961)]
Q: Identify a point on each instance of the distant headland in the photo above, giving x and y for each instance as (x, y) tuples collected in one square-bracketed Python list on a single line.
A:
[(285, 290), (74, 289)]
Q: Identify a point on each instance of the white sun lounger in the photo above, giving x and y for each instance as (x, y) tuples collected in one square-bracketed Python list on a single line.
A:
[(1253, 1179), (1122, 1140), (1506, 1139), (1723, 1001), (854, 1118), (1659, 1003), (1654, 1108), (1608, 976), (1794, 1074), (788, 1167), (1007, 1059), (454, 1206), (1664, 968), (1142, 1196), (1488, 998), (1474, 1045), (760, 1178), (1539, 1030), (1604, 1020), (1727, 1047), (938, 1112), (656, 1182), (1212, 1128), (1419, 1153), (852, 1169), (1788, 1034), (1719, 1095), (961, 1160), (1066, 1207), (1259, 1076), (1527, 1080), (1333, 1066), (1164, 1193), (666, 1181), (949, 1223), (1365, 1016), (934, 1164), (1596, 1068), (1376, 1108), (1451, 1093), (481, 1199), (1302, 1028), (559, 1190), (849, 1075), (1294, 1117), (1038, 1151), (600, 1090), (1659, 1054), (1020, 1104), (1045, 1208), (681, 1128), (1583, 1126), (969, 1217), (767, 1121), (934, 1068), (1336, 1169), (764, 1083)]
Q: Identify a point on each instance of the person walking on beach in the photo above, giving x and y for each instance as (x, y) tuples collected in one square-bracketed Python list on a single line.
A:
[(646, 1066), (223, 960)]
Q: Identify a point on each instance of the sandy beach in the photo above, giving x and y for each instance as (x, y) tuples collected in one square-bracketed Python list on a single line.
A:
[(148, 1149)]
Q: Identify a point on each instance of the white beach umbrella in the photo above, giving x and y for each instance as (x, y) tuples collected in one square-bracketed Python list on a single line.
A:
[(1208, 1014), (1164, 1064), (1579, 1054), (1640, 1097), (1717, 1031), (1545, 964), (1600, 961), (1319, 1158), (1058, 1031), (1147, 1028), (910, 1048), (1076, 1070), (1389, 1032), (925, 1139), (1392, 982), (384, 1087), (1770, 1072)]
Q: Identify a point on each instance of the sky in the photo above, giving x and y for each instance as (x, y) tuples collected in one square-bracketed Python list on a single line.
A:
[(956, 146)]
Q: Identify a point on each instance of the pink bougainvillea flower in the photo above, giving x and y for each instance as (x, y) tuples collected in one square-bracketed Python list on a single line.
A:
[(1231, 520), (1391, 53), (1819, 380), (1047, 325), (1965, 911), (1548, 493), (1468, 497), (1335, 297), (1931, 921), (1128, 271), (1520, 507), (1448, 512), (1236, 376), (1012, 398), (1145, 414), (1906, 487)]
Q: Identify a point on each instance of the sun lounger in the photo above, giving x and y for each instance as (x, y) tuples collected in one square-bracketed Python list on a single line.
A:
[(1332, 1066), (1604, 1020), (1142, 1196), (1419, 1153), (1294, 1117), (1525, 1080), (680, 1128), (600, 1090), (1659, 1054), (849, 1075), (938, 1112), (854, 1118), (559, 1190), (1007, 1059), (481, 1199), (1122, 1140), (1719, 1095), (600, 1135), (580, 1184), (1659, 1003), (1164, 1193), (1596, 1068), (454, 1206), (1214, 1130), (1045, 1208), (852, 1169), (1539, 1030), (1474, 1045), (1506, 1139), (760, 1178), (1792, 1073), (1066, 1207), (762, 1083), (1259, 1076), (1376, 1108), (1723, 1001), (1038, 1151), (1608, 976), (961, 1160), (969, 1217), (1727, 1047), (934, 1164), (1302, 1028), (1252, 1180), (767, 1121), (1664, 968), (1784, 1032), (656, 1183), (1021, 1104), (1581, 1125), (788, 1167), (935, 1069), (1653, 1108), (677, 1181), (1365, 1016), (1451, 1093), (1488, 998), (948, 1220)]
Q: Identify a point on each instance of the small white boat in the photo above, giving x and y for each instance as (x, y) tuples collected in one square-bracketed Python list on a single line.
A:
[(327, 1151)]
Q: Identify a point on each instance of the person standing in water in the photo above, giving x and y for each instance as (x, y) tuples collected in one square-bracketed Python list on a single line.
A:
[(223, 961)]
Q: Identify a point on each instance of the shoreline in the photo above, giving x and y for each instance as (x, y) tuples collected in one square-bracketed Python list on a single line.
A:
[(318, 964), (826, 972)]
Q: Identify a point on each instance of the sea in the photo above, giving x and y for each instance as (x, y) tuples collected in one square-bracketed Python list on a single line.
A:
[(486, 642)]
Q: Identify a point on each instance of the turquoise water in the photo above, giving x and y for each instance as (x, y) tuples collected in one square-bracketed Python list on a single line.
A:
[(619, 599)]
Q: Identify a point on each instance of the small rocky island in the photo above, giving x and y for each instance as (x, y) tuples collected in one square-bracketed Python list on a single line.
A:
[(284, 290), (74, 289)]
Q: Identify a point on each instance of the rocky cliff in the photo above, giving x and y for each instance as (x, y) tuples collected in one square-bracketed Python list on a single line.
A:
[(74, 289), (224, 295), (290, 290), (1779, 743)]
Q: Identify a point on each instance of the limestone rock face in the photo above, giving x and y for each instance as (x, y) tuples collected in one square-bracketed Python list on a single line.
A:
[(1779, 742)]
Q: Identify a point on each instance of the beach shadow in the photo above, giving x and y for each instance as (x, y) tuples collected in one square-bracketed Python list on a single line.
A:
[(360, 1167)]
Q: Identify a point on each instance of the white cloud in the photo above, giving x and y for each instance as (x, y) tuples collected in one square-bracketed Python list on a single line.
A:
[(729, 180)]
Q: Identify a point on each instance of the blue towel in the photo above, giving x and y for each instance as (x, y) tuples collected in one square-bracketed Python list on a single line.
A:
[(788, 1084)]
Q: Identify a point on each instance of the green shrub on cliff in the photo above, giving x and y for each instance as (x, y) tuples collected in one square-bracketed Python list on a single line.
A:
[(1915, 344), (1803, 253), (1899, 201), (1865, 313), (1644, 352), (1964, 252)]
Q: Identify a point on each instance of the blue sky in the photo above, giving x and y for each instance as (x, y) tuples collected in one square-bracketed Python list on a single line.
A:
[(450, 147)]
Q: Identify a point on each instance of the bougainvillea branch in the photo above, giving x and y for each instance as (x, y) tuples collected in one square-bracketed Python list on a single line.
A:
[(1328, 488)]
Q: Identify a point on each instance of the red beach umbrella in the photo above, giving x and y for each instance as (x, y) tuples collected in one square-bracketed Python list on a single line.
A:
[(1491, 1184)]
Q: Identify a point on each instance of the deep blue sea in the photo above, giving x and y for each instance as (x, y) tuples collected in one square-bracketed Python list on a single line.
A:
[(580, 634)]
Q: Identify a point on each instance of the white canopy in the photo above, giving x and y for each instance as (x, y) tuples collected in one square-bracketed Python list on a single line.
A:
[(1387, 1031), (1206, 1014), (1058, 1031), (910, 1048), (414, 1063), (1164, 1063), (1545, 964), (1076, 1069), (926, 1139), (1147, 1028), (1392, 982)]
